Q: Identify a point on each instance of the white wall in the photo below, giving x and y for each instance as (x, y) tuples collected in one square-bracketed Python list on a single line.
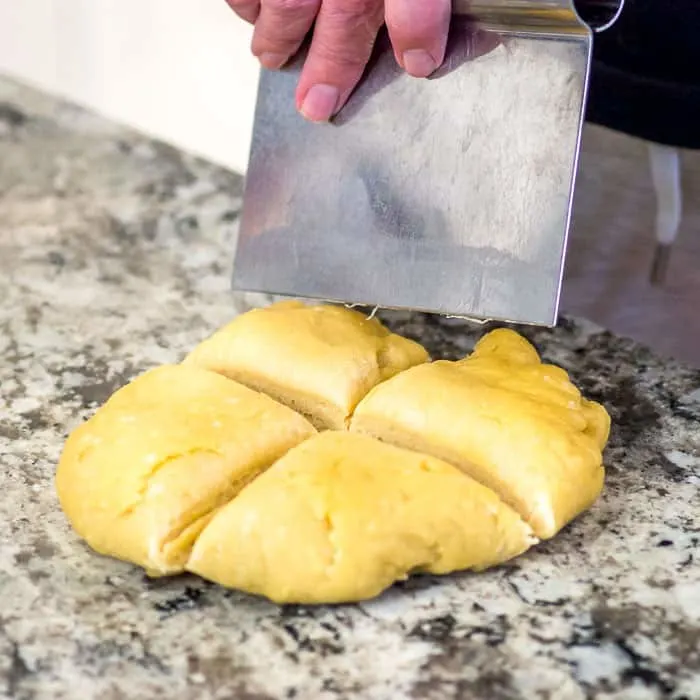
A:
[(179, 69)]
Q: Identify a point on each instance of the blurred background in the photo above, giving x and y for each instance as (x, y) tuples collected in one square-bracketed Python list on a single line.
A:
[(180, 70)]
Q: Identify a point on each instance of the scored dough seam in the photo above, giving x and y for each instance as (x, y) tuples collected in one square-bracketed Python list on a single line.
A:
[(390, 436), (209, 509), (220, 502), (157, 467)]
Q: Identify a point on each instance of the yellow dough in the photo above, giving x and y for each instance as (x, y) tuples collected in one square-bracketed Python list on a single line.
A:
[(142, 477), (431, 467), (319, 360), (509, 421), (343, 516)]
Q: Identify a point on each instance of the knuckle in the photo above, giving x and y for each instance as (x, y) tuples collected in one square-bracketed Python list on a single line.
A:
[(293, 7), (350, 29), (283, 25), (356, 18), (357, 8), (347, 55), (357, 11)]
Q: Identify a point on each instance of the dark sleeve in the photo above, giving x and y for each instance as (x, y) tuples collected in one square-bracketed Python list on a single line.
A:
[(646, 73)]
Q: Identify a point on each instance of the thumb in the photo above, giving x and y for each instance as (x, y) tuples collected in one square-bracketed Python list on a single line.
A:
[(418, 31)]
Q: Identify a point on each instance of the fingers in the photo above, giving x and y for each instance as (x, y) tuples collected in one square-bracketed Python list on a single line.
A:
[(245, 9), (281, 28), (344, 35), (418, 31)]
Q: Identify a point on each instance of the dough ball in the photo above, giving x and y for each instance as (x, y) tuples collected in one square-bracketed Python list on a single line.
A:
[(319, 360), (343, 516), (514, 424), (142, 477), (427, 467)]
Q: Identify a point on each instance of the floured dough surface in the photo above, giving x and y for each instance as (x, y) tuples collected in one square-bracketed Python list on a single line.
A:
[(432, 467), (141, 478), (341, 517), (509, 421), (320, 360)]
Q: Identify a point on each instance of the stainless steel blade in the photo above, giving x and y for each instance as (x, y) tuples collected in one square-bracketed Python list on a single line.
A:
[(450, 195)]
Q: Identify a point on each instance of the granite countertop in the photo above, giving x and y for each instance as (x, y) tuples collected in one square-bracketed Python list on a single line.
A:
[(115, 254)]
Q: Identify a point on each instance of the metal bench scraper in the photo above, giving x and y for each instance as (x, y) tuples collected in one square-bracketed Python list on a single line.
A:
[(451, 194)]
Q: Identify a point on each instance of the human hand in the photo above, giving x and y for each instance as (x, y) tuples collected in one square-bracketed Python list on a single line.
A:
[(344, 32)]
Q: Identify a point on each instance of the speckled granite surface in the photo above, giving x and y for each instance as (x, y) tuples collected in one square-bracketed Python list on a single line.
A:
[(115, 256)]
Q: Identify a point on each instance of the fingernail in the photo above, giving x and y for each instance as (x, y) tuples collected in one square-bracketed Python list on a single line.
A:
[(320, 103), (273, 61), (419, 63)]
